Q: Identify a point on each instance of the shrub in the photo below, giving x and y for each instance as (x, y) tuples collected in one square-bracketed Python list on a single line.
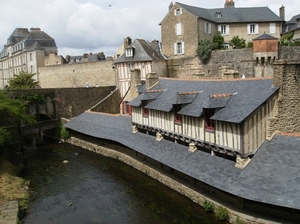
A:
[(208, 206), (250, 44), (64, 133), (237, 43), (222, 213), (218, 40), (239, 221), (204, 49)]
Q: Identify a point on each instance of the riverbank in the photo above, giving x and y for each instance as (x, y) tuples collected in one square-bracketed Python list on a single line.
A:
[(177, 184), (13, 193)]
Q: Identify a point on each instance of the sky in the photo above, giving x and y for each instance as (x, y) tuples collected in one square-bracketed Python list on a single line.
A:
[(93, 26)]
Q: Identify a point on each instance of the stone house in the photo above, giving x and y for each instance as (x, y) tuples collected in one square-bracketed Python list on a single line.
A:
[(223, 116), (293, 26), (25, 51), (184, 26), (142, 55)]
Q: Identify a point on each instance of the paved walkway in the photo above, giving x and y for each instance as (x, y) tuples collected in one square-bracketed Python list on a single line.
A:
[(9, 212)]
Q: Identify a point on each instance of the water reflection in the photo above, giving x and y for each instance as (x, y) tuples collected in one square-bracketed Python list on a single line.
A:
[(72, 185)]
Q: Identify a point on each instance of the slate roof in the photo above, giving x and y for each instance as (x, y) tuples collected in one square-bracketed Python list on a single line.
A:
[(265, 37), (247, 95), (40, 37), (272, 176), (143, 51), (233, 14), (291, 25)]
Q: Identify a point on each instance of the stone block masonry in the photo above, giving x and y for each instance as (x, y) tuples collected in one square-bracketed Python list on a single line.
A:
[(94, 74)]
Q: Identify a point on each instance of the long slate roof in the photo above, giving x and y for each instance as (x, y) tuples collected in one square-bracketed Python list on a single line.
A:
[(247, 96), (233, 14), (143, 51), (272, 176)]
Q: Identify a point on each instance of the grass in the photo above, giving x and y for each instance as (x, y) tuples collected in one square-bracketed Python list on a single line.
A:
[(12, 188)]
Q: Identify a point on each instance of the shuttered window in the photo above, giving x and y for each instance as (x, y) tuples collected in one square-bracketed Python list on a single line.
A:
[(272, 28), (178, 29)]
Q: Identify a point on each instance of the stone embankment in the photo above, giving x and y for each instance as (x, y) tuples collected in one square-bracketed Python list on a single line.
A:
[(9, 212), (165, 179)]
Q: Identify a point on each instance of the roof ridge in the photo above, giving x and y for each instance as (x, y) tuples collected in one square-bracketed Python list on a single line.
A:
[(217, 79)]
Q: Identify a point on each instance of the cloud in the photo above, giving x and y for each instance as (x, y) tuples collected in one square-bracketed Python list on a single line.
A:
[(83, 26)]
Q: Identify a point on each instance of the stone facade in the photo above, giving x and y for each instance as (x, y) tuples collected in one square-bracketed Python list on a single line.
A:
[(98, 73), (237, 59), (287, 116)]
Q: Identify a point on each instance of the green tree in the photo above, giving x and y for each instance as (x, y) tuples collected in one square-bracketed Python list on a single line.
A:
[(237, 43), (218, 40), (204, 49), (15, 109), (286, 39), (23, 80)]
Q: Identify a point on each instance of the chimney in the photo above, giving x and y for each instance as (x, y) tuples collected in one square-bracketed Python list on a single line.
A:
[(151, 80), (127, 42), (229, 3), (282, 12), (170, 6), (135, 82)]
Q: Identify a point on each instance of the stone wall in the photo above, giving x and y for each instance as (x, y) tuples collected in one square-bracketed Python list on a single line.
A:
[(287, 107), (98, 73), (237, 59)]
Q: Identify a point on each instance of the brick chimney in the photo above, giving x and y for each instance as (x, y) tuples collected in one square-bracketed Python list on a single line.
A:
[(127, 42), (282, 12), (229, 3)]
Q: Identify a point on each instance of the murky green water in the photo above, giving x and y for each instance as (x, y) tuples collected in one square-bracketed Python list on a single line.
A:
[(94, 189)]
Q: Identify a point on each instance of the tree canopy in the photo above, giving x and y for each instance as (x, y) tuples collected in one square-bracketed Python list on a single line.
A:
[(23, 80)]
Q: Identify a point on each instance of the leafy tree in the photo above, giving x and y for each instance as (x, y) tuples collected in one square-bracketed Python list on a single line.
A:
[(12, 108), (237, 43), (286, 39), (204, 49), (23, 80), (218, 40)]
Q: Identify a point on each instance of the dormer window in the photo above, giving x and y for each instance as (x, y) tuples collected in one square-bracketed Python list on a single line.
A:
[(177, 12), (129, 52), (218, 14)]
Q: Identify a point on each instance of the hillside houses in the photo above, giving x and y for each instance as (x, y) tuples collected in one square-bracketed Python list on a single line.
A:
[(184, 26)]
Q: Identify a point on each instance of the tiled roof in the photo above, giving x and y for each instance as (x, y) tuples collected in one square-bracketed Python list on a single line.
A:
[(234, 14), (271, 177), (248, 96)]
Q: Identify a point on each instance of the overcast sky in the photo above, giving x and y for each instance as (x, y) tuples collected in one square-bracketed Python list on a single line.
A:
[(92, 26)]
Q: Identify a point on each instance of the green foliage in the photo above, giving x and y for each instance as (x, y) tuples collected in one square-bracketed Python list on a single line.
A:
[(4, 137), (208, 206), (64, 133), (33, 98), (222, 213), (286, 39), (250, 45), (204, 49), (23, 80), (239, 221), (218, 40), (14, 108), (237, 43)]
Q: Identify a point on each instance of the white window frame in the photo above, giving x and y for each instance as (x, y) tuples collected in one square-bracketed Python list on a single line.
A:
[(178, 11), (179, 48), (207, 28), (224, 29), (253, 28), (178, 29), (272, 28), (129, 52)]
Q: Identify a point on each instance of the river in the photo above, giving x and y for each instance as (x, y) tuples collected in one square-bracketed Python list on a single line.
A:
[(71, 185)]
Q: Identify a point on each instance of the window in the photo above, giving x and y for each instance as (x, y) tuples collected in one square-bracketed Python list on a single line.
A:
[(145, 110), (177, 117), (209, 124), (252, 28), (224, 29), (272, 28), (129, 52), (179, 48), (207, 28), (218, 14), (178, 28), (177, 12)]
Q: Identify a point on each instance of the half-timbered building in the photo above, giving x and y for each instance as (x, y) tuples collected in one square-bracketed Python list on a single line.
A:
[(146, 56), (221, 116)]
